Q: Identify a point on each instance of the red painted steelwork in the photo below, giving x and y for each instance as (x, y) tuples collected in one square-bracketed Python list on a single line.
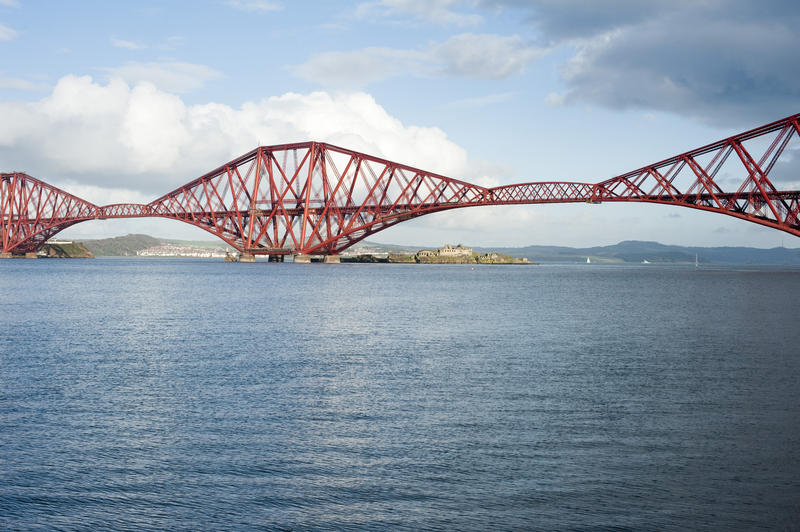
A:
[(697, 172), (31, 211), (315, 198)]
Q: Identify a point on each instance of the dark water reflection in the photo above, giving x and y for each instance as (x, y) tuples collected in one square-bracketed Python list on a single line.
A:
[(180, 394)]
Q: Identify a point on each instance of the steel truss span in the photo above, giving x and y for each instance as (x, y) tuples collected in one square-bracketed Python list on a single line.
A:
[(315, 198)]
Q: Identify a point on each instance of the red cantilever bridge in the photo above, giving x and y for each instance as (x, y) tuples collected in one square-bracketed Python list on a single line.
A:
[(315, 198)]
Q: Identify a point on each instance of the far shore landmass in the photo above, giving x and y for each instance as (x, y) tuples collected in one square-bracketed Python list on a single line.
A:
[(626, 252)]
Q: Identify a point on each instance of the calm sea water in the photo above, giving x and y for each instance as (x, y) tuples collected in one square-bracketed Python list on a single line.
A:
[(192, 394)]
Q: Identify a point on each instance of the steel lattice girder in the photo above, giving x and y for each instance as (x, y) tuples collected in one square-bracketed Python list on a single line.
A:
[(313, 197), (31, 211)]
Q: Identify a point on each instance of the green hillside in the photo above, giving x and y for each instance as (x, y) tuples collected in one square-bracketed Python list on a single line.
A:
[(624, 252), (121, 246), (633, 251)]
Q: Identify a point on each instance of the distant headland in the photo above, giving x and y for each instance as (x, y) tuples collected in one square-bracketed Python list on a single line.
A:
[(627, 252)]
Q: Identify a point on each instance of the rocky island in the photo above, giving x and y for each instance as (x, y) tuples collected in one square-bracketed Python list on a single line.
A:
[(445, 255), (57, 249)]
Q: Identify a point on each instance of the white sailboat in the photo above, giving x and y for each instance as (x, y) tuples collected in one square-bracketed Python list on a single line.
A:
[(588, 260)]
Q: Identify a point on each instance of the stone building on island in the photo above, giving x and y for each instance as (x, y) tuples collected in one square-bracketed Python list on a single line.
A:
[(449, 254)]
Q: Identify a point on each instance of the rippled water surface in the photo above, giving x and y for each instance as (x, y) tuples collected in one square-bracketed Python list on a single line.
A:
[(185, 395)]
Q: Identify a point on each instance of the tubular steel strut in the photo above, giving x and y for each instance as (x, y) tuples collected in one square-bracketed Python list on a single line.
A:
[(316, 198)]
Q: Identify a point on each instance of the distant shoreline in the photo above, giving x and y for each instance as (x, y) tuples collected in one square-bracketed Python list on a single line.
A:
[(629, 252)]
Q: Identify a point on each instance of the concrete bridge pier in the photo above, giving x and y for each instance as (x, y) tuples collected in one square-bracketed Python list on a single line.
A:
[(302, 258), (331, 259), (6, 255), (247, 257)]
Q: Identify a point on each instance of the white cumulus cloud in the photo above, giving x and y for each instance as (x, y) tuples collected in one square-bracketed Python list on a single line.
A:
[(115, 143), (139, 137)]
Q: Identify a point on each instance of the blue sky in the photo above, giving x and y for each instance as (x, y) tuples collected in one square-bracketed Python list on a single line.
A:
[(120, 102)]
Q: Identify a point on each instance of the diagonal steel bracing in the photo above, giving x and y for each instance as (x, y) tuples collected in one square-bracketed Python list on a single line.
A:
[(316, 198)]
